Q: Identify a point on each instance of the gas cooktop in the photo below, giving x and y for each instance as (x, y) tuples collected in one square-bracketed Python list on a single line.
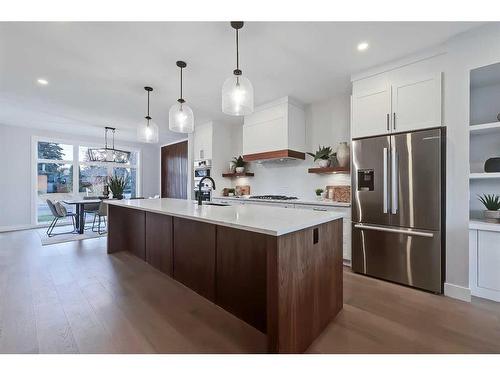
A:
[(273, 197)]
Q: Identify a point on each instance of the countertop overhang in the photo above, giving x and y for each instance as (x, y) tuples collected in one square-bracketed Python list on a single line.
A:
[(270, 220)]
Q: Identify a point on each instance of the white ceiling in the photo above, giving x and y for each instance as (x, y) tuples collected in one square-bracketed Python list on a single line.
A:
[(97, 71)]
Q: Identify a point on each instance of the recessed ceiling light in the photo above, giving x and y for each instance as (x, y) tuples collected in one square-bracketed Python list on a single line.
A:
[(362, 46), (42, 81)]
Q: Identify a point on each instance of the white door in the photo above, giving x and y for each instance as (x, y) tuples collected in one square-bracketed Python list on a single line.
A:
[(370, 112), (416, 103)]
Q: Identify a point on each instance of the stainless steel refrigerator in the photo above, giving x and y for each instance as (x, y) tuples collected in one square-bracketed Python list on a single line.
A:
[(398, 208)]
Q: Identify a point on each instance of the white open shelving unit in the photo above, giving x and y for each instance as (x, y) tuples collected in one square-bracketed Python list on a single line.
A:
[(484, 143)]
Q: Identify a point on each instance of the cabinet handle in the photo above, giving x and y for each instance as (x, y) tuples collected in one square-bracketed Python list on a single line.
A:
[(319, 209), (388, 120), (394, 120)]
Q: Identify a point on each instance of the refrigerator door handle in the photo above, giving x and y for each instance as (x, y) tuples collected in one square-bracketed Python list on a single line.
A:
[(394, 181), (408, 232), (386, 209)]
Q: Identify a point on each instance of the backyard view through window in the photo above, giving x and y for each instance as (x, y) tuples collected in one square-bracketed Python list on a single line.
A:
[(64, 171)]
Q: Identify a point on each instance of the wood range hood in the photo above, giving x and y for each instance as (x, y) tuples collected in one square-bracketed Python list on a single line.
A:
[(275, 155), (275, 131)]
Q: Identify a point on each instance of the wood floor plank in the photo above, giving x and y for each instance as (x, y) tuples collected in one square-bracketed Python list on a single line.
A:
[(75, 298)]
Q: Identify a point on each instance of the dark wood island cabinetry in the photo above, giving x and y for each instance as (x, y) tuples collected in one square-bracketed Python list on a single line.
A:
[(288, 286)]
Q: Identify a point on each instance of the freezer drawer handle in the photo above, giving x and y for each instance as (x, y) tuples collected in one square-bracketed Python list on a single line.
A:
[(394, 230)]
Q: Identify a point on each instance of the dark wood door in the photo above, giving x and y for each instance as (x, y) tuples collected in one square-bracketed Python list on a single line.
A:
[(159, 246), (194, 256), (174, 170)]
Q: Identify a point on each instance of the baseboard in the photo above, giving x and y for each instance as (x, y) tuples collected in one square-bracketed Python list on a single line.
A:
[(457, 292), (13, 228)]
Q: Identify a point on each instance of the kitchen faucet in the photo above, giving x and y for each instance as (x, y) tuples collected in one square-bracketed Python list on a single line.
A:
[(200, 185)]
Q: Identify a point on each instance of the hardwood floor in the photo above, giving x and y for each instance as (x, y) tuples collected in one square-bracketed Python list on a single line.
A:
[(75, 298)]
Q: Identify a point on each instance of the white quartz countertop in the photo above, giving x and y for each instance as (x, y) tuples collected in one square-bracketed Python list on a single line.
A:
[(291, 201), (271, 220)]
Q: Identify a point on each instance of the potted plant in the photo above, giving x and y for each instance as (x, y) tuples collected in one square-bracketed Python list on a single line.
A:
[(239, 164), (318, 193), (230, 192), (322, 156), (117, 185), (492, 204)]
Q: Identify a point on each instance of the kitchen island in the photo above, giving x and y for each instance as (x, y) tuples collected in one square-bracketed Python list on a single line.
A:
[(279, 270)]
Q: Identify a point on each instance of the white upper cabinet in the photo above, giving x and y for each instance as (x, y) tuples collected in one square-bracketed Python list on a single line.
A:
[(401, 105), (416, 103), (202, 142), (370, 112)]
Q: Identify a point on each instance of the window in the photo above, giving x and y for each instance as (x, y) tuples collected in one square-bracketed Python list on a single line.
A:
[(65, 171)]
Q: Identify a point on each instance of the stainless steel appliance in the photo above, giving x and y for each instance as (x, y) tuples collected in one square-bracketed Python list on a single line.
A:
[(398, 208), (201, 168)]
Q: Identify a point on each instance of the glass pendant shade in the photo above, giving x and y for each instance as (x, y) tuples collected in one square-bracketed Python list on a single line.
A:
[(237, 96), (147, 132), (181, 118)]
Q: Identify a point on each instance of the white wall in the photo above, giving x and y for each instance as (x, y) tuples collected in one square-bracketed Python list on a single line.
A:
[(327, 124), (16, 180)]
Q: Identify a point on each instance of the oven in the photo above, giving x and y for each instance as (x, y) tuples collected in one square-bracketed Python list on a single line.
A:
[(201, 168)]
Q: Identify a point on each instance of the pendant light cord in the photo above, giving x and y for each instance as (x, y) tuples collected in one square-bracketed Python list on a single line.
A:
[(181, 83), (237, 51), (148, 106)]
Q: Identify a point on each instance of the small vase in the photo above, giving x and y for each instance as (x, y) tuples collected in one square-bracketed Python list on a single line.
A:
[(324, 163), (231, 167), (343, 154), (240, 169), (492, 214)]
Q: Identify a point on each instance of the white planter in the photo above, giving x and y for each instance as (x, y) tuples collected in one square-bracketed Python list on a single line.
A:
[(343, 154), (324, 163), (490, 214), (240, 169)]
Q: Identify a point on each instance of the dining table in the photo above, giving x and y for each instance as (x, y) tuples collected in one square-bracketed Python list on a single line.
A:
[(80, 210)]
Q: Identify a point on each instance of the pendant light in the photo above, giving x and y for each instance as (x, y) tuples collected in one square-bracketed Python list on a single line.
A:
[(108, 154), (148, 130), (180, 116), (237, 91)]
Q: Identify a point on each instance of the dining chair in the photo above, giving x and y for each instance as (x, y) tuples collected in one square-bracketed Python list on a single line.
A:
[(101, 213), (90, 208), (59, 212)]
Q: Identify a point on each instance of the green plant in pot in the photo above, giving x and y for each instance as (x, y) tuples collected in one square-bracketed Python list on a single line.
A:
[(117, 185), (239, 164), (492, 204), (318, 193), (322, 156)]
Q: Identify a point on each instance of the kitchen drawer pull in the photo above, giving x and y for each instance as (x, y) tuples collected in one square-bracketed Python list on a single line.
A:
[(319, 209), (394, 230)]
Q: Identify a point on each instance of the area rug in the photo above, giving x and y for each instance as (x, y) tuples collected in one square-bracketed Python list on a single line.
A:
[(59, 238)]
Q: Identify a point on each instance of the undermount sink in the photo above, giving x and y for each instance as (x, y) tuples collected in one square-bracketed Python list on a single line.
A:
[(215, 204)]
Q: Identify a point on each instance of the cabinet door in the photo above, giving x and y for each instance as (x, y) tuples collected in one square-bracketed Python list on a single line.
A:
[(488, 261), (416, 103), (159, 252), (346, 223), (370, 112), (194, 256), (241, 273)]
